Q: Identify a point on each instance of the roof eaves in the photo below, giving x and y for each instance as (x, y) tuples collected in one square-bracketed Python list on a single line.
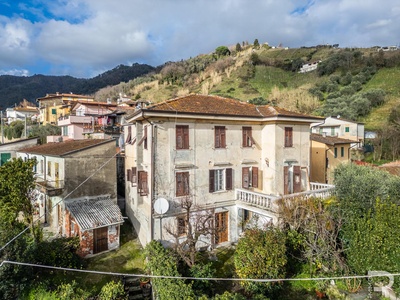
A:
[(87, 147)]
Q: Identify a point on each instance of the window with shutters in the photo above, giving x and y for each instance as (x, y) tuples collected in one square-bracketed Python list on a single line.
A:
[(335, 152), (288, 137), (342, 151), (181, 225), (5, 157), (250, 177), (142, 184), (219, 137), (182, 137), (220, 180), (182, 183), (247, 137)]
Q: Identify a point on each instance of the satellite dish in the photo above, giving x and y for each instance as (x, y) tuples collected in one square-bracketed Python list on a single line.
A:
[(161, 206)]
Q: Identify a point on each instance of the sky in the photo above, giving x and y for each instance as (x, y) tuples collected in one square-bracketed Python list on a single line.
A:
[(84, 38)]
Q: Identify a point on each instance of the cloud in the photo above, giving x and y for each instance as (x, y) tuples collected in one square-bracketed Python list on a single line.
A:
[(82, 37), (15, 72)]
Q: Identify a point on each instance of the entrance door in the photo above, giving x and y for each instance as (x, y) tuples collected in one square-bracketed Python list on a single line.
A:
[(221, 227), (100, 240)]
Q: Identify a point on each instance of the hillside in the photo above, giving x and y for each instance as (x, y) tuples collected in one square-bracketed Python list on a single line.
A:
[(13, 89), (359, 84)]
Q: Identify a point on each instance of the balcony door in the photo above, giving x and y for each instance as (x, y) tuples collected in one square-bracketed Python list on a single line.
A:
[(221, 227)]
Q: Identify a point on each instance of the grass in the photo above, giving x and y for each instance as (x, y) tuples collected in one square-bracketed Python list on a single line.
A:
[(386, 79)]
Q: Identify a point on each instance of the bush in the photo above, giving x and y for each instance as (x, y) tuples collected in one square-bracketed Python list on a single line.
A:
[(261, 254)]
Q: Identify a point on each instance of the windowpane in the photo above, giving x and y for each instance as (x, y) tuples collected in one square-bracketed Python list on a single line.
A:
[(219, 180), (342, 151)]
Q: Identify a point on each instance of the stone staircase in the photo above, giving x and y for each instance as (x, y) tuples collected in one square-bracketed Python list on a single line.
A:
[(137, 290)]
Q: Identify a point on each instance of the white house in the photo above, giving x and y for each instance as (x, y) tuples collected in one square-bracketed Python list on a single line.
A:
[(231, 158), (342, 128)]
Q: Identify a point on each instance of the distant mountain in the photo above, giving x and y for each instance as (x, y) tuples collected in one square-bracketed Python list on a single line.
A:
[(13, 89)]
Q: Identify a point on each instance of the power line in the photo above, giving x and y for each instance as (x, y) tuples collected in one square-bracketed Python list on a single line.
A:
[(199, 278), (69, 194)]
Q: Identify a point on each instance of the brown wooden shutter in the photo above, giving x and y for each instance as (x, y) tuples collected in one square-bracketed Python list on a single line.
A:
[(186, 137), (228, 179), (129, 137), (211, 182), (254, 179), (285, 180), (143, 189), (245, 177), (288, 137), (128, 175), (222, 137), (296, 179)]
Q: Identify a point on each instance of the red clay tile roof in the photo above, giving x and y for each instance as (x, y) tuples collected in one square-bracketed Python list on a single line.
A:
[(216, 105), (329, 140), (62, 148)]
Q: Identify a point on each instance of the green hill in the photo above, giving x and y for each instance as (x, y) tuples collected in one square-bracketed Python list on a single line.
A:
[(359, 83)]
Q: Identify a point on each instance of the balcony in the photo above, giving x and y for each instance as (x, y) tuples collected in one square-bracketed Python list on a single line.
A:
[(269, 202), (50, 188), (72, 119), (116, 129)]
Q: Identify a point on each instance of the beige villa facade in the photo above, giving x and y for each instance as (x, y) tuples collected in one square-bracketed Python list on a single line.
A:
[(328, 152), (230, 158)]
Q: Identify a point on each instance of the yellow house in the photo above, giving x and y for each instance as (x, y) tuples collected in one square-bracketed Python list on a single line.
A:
[(53, 105), (327, 152)]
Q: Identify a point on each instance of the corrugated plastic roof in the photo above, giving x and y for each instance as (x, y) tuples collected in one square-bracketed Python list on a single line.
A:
[(93, 213)]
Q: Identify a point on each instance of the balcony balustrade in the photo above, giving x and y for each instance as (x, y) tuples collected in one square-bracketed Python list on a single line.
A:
[(269, 202)]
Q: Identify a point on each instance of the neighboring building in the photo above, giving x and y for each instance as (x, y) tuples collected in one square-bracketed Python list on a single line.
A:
[(339, 127), (327, 152), (54, 105), (22, 112), (84, 119), (309, 67), (9, 150), (229, 157), (76, 191)]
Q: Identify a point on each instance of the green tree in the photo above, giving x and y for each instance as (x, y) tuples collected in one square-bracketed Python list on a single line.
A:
[(16, 186), (163, 262), (256, 44), (16, 213), (238, 47), (373, 240), (222, 51), (357, 187), (260, 253)]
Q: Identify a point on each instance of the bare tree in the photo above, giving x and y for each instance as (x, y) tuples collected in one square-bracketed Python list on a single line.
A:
[(318, 228), (194, 225)]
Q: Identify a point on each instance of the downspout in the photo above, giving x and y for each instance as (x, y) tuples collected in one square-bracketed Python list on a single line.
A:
[(152, 164)]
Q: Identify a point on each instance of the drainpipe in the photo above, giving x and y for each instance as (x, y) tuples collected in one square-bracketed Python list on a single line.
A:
[(152, 164)]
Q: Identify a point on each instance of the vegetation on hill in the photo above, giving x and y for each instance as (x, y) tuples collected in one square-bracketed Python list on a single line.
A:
[(354, 83)]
